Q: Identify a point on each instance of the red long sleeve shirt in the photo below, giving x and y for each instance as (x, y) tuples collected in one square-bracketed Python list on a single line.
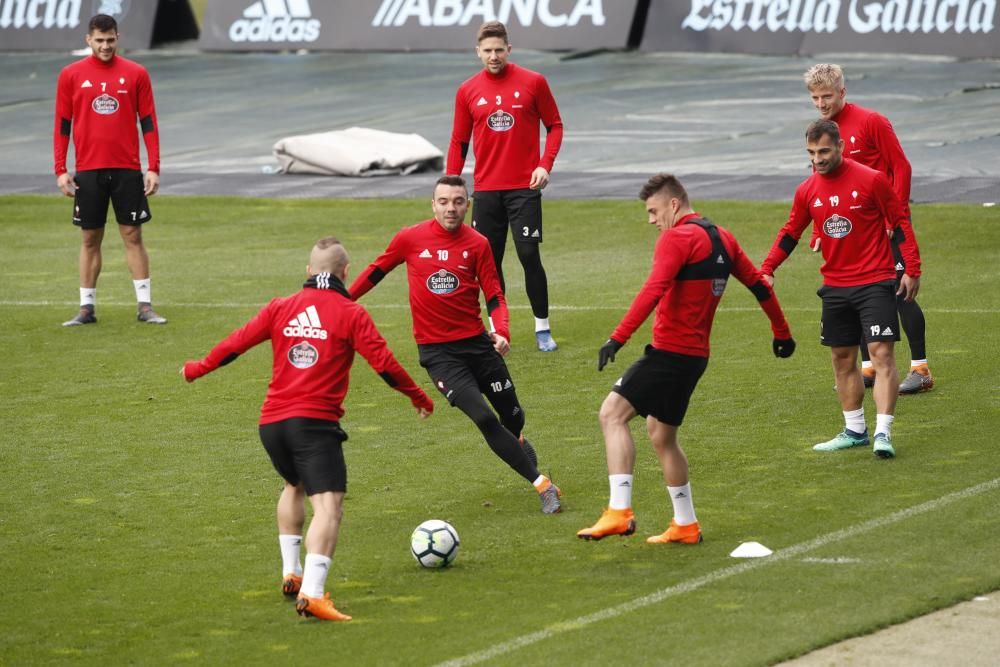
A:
[(851, 206), (869, 139), (314, 335), (99, 103), (446, 271), (501, 113), (685, 303)]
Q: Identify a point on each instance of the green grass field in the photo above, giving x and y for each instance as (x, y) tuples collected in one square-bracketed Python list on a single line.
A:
[(136, 518)]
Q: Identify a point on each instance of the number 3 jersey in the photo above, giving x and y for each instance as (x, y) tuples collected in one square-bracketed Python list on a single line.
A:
[(446, 271), (100, 102), (851, 206)]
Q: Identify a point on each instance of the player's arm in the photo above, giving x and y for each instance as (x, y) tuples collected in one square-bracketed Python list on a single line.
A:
[(788, 236), (900, 171), (461, 134), (668, 259), (548, 112), (392, 257), (366, 339), (254, 332), (61, 133), (150, 132), (782, 344), (496, 303), (898, 219)]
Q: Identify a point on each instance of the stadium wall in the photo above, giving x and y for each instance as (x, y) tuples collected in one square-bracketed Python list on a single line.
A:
[(961, 28), (60, 25), (413, 25)]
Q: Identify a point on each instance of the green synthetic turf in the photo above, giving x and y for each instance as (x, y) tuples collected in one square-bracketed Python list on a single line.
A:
[(136, 517)]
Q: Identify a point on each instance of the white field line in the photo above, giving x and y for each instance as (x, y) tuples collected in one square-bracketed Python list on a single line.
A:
[(718, 575), (405, 306)]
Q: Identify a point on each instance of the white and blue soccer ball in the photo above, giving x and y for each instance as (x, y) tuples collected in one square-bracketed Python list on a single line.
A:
[(434, 543)]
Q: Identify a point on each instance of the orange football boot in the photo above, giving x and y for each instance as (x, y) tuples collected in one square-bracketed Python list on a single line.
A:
[(321, 608), (612, 522), (291, 585), (689, 534)]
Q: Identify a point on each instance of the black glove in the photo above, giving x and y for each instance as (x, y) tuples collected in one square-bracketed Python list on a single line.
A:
[(783, 347), (607, 353)]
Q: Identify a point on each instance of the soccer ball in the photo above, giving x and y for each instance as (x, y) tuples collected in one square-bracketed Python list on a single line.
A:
[(434, 543)]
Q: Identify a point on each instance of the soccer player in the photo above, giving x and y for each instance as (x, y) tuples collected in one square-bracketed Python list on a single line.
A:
[(852, 204), (870, 140), (692, 262), (314, 335), (98, 99), (447, 264), (500, 108)]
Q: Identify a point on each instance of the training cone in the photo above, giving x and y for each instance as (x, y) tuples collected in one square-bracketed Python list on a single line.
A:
[(751, 550)]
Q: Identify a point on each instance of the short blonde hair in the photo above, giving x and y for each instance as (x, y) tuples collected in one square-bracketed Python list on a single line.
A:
[(824, 75)]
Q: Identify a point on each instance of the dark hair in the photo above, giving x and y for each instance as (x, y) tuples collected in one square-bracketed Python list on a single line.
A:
[(817, 129), (451, 180), (664, 182), (492, 29), (103, 23)]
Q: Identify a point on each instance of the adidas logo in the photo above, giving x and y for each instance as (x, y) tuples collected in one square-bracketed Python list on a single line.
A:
[(276, 21), (507, 384), (535, 234), (817, 203), (719, 260), (87, 84), (625, 483), (887, 331), (899, 266), (425, 254), (306, 324), (481, 102)]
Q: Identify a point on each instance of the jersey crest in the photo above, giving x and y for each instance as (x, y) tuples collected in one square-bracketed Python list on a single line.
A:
[(442, 281), (303, 355), (500, 121), (104, 104), (837, 226)]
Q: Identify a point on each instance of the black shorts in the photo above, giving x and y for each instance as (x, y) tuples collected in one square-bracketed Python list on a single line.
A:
[(660, 384), (308, 452), (521, 210), (124, 188), (853, 314), (470, 364)]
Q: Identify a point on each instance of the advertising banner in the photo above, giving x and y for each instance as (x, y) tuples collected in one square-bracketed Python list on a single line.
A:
[(60, 25), (960, 28), (412, 25)]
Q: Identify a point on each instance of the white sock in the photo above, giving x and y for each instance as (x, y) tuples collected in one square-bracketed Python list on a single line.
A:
[(541, 324), (680, 496), (88, 296), (855, 420), (883, 424), (314, 576), (621, 492), (866, 364), (142, 290), (917, 362), (290, 547)]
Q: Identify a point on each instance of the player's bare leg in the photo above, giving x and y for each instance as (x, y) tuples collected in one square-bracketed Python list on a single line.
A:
[(684, 527), (851, 394), (291, 516), (90, 270), (618, 518), (321, 541), (886, 392), (138, 265)]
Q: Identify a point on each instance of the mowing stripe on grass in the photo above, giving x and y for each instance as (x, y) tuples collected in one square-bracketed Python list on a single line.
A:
[(405, 306), (718, 575)]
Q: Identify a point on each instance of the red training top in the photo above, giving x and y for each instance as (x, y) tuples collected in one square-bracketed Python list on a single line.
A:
[(314, 335), (686, 284), (446, 270), (851, 206), (501, 113), (100, 102)]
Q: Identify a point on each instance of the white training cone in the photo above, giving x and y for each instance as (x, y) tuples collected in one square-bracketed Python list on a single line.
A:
[(751, 550)]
